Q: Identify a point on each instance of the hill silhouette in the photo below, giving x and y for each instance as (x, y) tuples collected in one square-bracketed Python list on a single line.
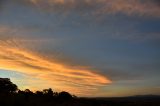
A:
[(10, 95)]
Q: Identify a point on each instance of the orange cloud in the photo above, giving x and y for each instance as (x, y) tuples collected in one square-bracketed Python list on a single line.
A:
[(56, 75)]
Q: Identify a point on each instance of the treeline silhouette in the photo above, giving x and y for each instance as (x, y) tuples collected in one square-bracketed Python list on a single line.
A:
[(10, 95)]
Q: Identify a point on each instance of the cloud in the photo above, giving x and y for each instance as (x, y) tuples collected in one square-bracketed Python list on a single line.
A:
[(56, 75), (93, 7), (98, 7), (129, 7)]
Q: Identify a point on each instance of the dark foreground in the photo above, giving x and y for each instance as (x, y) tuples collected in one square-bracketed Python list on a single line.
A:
[(10, 95), (23, 100)]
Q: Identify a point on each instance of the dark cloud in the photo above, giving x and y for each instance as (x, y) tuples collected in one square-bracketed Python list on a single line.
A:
[(1, 4), (120, 75), (156, 2), (102, 7), (96, 7)]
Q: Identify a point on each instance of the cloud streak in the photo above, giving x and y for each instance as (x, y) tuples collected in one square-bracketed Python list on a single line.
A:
[(57, 75), (99, 7)]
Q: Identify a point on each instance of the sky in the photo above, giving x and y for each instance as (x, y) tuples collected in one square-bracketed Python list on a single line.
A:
[(91, 48)]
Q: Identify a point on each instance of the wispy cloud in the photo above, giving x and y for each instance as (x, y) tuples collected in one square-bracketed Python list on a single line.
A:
[(99, 7), (57, 75)]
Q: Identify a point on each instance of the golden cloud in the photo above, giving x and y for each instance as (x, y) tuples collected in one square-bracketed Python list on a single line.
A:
[(56, 75)]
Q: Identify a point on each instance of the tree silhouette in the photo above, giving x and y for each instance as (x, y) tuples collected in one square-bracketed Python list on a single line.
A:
[(48, 92), (27, 91), (65, 95), (7, 86), (39, 93), (10, 96)]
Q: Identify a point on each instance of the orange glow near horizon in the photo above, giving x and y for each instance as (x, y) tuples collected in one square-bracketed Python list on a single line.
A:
[(55, 75)]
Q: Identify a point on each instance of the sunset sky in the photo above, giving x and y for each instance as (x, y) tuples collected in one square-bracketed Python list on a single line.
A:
[(92, 48)]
